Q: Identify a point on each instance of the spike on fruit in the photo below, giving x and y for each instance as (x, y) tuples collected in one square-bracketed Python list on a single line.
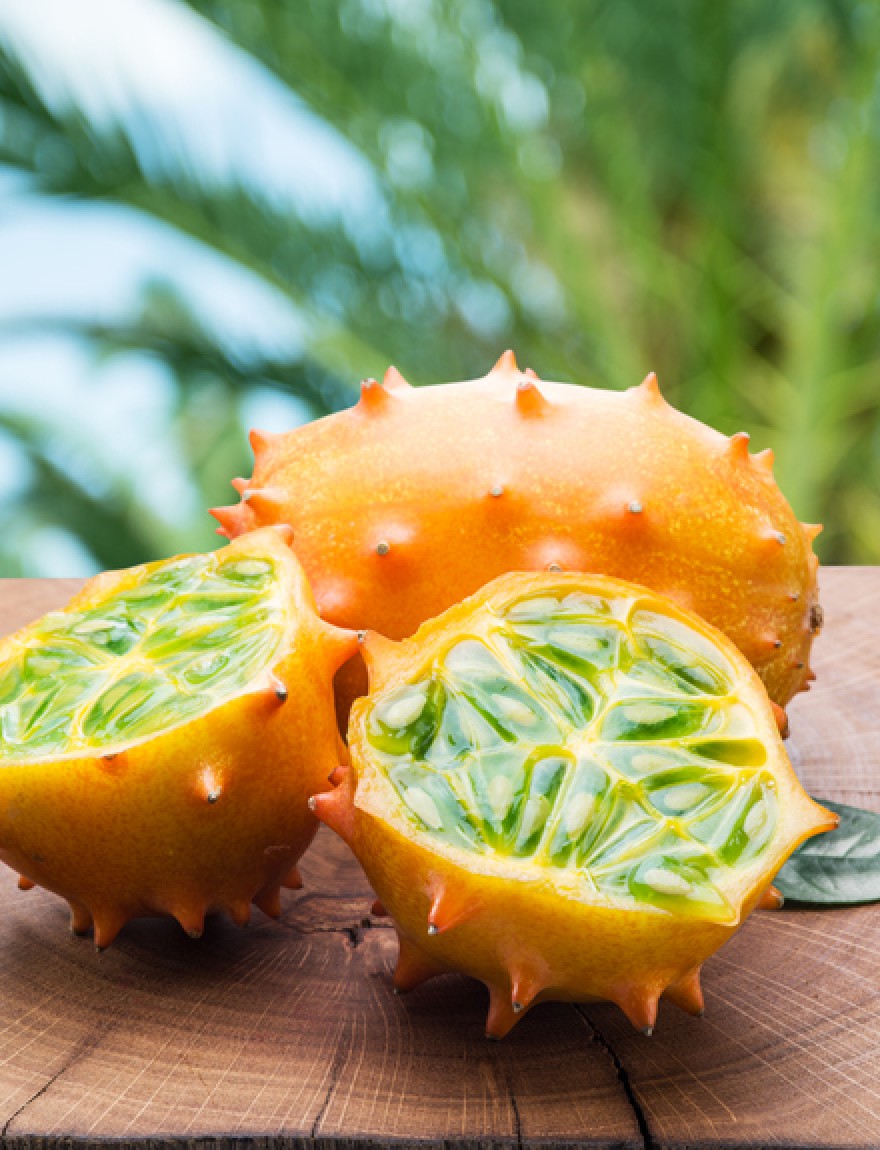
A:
[(394, 381), (781, 719), (80, 918), (764, 460), (449, 908), (686, 993), (378, 910), (25, 883), (240, 485), (293, 879), (444, 449), (166, 812), (738, 447), (261, 441), (506, 364), (336, 807), (639, 1004), (240, 912), (649, 389), (266, 502), (413, 966), (340, 644), (529, 374), (771, 899), (278, 688), (502, 1017), (268, 901), (529, 399), (526, 983), (107, 924), (489, 872), (233, 520), (191, 918), (811, 531), (374, 397)]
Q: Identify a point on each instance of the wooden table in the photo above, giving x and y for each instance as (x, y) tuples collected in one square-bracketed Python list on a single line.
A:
[(287, 1033)]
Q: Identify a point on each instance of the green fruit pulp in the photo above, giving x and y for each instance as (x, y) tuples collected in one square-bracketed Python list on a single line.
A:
[(596, 735), (190, 634)]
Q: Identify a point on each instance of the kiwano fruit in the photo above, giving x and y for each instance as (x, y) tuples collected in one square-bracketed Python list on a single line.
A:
[(415, 498), (568, 788), (163, 733)]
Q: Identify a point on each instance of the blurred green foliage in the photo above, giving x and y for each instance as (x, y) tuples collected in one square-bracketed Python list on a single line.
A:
[(607, 186)]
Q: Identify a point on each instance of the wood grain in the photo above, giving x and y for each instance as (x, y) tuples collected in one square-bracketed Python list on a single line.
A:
[(287, 1032)]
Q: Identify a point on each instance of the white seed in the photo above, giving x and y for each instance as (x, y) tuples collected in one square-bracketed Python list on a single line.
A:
[(684, 796), (649, 714), (515, 710), (533, 609), (647, 762), (421, 803), (666, 881), (756, 819), (534, 816), (92, 626), (403, 710), (500, 791), (249, 567), (581, 642), (577, 813), (470, 657)]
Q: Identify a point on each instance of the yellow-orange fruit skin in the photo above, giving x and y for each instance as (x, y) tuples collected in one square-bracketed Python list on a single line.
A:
[(516, 931), (414, 498), (208, 816)]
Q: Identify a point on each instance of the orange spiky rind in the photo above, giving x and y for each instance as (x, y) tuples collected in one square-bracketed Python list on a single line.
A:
[(394, 381), (811, 531), (648, 390), (771, 899), (374, 397), (528, 932), (687, 993), (738, 447), (193, 816), (448, 449), (764, 459), (506, 364), (529, 400)]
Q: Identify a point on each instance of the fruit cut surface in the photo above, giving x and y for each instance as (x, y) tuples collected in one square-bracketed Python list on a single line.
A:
[(569, 788), (593, 734), (167, 648)]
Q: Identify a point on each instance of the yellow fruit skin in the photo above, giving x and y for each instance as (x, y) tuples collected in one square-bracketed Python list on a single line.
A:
[(415, 498), (208, 816), (527, 938)]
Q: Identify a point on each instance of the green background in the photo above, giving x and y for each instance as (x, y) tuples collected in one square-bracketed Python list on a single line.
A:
[(609, 188)]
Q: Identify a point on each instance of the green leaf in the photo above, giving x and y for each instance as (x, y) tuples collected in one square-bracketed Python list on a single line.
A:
[(839, 868)]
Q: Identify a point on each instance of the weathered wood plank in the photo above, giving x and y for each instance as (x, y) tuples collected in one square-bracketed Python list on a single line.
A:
[(288, 1032)]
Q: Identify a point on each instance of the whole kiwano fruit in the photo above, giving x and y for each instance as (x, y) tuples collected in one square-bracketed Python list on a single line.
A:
[(415, 498), (162, 735), (568, 788)]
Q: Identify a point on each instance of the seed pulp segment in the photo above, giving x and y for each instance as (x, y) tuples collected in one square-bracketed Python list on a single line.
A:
[(597, 736), (154, 653)]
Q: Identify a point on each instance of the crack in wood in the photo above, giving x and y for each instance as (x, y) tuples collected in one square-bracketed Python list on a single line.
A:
[(80, 1050), (623, 1078), (354, 933)]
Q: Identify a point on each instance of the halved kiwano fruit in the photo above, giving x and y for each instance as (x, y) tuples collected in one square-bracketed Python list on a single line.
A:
[(570, 789), (162, 734)]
